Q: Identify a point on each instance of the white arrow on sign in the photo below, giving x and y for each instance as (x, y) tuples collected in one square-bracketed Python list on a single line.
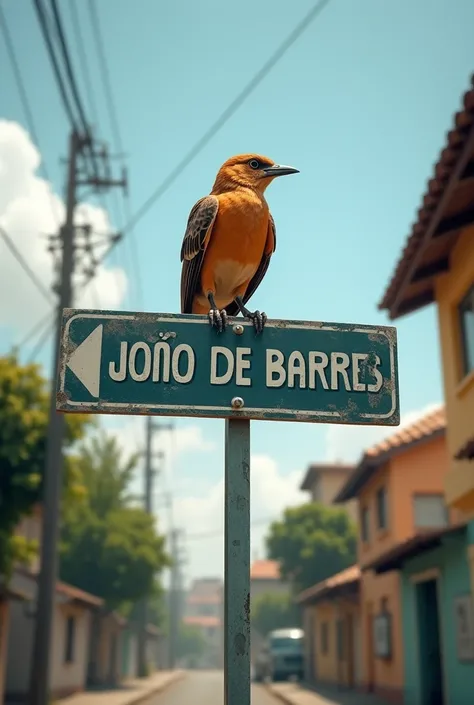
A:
[(85, 361)]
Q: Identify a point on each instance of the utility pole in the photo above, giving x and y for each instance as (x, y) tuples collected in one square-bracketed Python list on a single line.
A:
[(79, 145), (151, 428), (176, 589)]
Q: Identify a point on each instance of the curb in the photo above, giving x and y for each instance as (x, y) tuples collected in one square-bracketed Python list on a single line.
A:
[(143, 697), (278, 695)]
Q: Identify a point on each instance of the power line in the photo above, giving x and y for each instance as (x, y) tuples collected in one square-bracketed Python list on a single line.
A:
[(25, 266), (43, 20), (30, 121), (229, 111), (117, 137), (84, 61)]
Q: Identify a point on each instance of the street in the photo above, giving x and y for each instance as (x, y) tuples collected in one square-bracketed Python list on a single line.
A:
[(205, 688)]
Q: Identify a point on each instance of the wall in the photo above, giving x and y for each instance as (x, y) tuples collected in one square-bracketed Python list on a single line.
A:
[(68, 678), (4, 628), (458, 392), (421, 469), (385, 676), (454, 581), (326, 486), (328, 667), (20, 642)]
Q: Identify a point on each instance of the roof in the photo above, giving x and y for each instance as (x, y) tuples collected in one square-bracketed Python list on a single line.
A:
[(425, 428), (203, 621), (426, 541), (10, 593), (447, 207), (204, 599), (347, 579), (317, 469), (467, 451), (78, 595), (265, 570)]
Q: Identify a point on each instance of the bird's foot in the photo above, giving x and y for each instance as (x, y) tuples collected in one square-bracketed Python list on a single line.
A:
[(258, 318), (218, 319)]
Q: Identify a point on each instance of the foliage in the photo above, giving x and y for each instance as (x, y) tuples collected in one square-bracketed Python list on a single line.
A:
[(274, 611), (110, 548), (24, 410), (190, 642), (311, 543)]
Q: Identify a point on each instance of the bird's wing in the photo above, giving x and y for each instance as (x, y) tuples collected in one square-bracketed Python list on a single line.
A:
[(196, 238), (270, 247)]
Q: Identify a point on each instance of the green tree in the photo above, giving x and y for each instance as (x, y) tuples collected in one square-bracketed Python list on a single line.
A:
[(311, 543), (190, 642), (109, 547), (274, 611), (24, 408)]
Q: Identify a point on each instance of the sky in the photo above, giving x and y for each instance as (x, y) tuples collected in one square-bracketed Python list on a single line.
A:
[(360, 104)]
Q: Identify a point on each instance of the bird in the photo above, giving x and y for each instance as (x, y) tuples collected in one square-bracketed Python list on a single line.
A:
[(229, 240)]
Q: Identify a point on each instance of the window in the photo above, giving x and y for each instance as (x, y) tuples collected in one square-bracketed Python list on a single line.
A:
[(324, 638), (381, 500), (70, 638), (466, 315), (430, 511), (364, 524)]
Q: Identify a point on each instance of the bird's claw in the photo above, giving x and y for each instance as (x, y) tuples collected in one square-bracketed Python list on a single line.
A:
[(258, 319), (218, 319)]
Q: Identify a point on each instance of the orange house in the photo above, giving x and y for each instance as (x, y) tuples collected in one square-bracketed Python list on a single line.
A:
[(399, 484)]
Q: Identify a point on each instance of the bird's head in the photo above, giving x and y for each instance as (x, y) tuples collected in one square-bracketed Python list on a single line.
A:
[(251, 171)]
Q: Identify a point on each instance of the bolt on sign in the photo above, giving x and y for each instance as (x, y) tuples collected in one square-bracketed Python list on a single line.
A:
[(177, 365)]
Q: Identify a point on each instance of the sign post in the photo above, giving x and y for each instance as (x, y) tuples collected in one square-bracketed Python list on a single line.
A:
[(177, 365)]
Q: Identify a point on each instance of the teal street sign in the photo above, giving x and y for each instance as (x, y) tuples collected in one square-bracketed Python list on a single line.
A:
[(178, 365)]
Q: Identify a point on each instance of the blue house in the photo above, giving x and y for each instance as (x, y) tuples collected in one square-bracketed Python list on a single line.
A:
[(437, 615)]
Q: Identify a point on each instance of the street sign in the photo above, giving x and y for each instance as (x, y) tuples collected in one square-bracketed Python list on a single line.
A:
[(177, 365)]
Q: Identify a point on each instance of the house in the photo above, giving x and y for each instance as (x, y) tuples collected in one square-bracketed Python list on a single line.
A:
[(437, 616), (7, 596), (264, 578), (331, 615), (399, 484), (203, 610), (323, 482), (437, 266), (73, 611), (105, 649), (154, 650)]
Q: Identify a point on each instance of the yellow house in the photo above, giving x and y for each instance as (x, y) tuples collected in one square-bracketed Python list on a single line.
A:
[(331, 616), (437, 265)]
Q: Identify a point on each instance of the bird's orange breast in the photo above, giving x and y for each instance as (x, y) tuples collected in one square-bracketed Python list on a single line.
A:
[(236, 245)]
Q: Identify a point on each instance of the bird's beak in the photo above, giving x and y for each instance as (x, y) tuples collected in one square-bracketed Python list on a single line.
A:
[(279, 170)]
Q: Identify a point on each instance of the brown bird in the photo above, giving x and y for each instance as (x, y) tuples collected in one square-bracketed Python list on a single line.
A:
[(229, 240)]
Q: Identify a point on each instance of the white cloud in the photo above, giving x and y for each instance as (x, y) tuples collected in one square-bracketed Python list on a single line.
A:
[(29, 211), (347, 443), (203, 517)]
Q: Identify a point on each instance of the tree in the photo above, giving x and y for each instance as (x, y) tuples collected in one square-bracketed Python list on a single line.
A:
[(108, 547), (311, 543), (274, 611), (190, 642), (24, 409)]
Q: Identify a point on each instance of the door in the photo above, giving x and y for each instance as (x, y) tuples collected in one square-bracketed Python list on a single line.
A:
[(429, 644)]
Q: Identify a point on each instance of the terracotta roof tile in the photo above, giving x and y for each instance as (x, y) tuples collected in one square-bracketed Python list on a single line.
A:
[(456, 139), (203, 621), (75, 593), (422, 429), (265, 570), (321, 590)]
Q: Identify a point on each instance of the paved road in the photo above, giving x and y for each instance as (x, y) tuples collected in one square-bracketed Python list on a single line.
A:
[(205, 688)]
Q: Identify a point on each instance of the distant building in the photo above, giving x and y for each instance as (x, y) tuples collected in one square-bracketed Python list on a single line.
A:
[(203, 609), (323, 481), (264, 578)]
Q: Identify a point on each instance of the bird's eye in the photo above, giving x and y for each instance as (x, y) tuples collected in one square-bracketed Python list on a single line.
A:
[(254, 164)]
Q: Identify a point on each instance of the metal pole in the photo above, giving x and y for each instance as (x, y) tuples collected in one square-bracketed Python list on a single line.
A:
[(42, 647), (142, 636), (237, 563)]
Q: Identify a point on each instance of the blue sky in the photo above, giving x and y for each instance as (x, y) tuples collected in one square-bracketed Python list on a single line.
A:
[(360, 104)]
